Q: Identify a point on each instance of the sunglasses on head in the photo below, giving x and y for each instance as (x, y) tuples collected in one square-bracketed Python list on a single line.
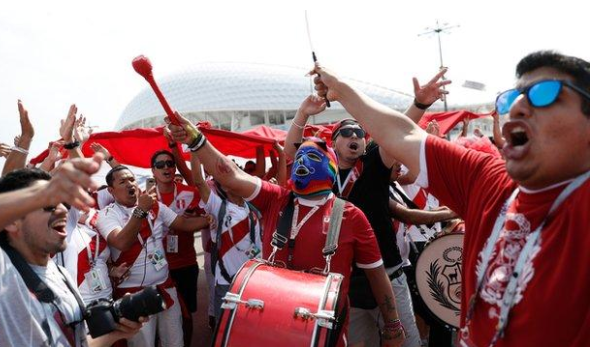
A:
[(347, 132), (539, 94), (164, 163)]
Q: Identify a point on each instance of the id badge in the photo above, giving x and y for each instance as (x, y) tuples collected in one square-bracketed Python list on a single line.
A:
[(172, 244), (95, 281), (157, 259), (253, 251)]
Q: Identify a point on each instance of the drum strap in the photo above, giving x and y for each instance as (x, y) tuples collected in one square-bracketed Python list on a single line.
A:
[(334, 228), (281, 235), (215, 254)]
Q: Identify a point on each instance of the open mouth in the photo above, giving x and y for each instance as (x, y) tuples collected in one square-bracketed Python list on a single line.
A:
[(167, 174), (60, 227), (517, 137), (302, 171), (354, 146), (131, 191)]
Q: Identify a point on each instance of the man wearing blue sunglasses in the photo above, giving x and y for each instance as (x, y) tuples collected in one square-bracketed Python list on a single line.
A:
[(526, 263)]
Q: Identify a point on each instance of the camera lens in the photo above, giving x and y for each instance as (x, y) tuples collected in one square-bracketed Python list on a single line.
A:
[(144, 303)]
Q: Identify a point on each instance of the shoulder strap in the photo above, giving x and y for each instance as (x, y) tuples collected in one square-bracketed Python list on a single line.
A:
[(281, 235), (32, 280), (334, 227)]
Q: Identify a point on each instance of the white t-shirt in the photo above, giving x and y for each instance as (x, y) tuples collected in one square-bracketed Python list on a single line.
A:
[(142, 273), (236, 242), (28, 322)]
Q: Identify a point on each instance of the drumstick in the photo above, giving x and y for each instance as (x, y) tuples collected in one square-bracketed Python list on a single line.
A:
[(313, 56), (143, 66)]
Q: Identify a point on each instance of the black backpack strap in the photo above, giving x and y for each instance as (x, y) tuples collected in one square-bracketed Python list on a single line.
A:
[(334, 227), (31, 279), (281, 235)]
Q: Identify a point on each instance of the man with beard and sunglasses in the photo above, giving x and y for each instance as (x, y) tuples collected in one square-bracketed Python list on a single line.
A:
[(525, 257), (363, 179), (313, 175), (39, 302)]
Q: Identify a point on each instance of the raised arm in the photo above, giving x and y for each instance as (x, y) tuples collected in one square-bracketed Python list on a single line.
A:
[(312, 105), (260, 162), (200, 183), (18, 157), (395, 133), (98, 148), (68, 184), (222, 168), (178, 158)]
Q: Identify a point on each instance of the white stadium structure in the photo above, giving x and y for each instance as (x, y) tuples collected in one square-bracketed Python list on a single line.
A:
[(239, 96)]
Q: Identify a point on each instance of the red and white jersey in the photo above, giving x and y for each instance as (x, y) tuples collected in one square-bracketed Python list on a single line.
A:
[(425, 201), (87, 252), (103, 198), (236, 244), (181, 199), (147, 249)]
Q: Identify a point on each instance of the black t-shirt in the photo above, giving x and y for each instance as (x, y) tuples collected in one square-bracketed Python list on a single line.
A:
[(370, 193)]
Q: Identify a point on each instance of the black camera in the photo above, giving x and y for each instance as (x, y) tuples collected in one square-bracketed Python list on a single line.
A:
[(102, 315)]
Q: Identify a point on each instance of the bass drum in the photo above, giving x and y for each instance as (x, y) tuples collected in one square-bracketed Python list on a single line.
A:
[(273, 306), (439, 275)]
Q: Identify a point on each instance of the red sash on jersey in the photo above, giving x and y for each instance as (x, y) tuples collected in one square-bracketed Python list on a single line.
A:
[(239, 231), (352, 177), (130, 256), (83, 261)]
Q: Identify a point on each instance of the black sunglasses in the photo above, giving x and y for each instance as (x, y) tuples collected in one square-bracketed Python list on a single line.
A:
[(164, 163), (347, 132), (52, 209)]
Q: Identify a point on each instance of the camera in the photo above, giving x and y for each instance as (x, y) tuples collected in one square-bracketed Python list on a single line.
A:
[(102, 315)]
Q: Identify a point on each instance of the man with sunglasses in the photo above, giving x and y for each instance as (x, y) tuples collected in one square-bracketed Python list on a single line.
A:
[(180, 249), (39, 303), (525, 258), (363, 179)]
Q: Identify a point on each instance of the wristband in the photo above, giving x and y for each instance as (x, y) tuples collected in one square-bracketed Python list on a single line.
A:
[(197, 143), (20, 149), (423, 107), (139, 213), (110, 158), (72, 145), (172, 145), (297, 125)]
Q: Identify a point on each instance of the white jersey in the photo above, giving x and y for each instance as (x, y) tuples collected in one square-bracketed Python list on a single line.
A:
[(236, 243), (86, 258), (28, 322), (150, 266)]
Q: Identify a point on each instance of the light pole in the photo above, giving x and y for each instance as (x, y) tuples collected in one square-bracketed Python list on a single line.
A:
[(445, 27)]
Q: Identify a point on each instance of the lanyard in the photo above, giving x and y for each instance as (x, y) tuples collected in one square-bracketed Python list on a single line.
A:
[(88, 251), (342, 186), (295, 227), (533, 239)]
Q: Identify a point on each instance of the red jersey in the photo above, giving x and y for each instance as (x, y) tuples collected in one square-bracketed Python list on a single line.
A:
[(552, 305), (179, 200), (356, 242)]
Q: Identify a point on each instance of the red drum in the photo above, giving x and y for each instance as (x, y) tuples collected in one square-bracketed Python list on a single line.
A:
[(272, 306), (438, 276)]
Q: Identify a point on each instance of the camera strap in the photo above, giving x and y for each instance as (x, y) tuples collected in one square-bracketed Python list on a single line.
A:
[(31, 279)]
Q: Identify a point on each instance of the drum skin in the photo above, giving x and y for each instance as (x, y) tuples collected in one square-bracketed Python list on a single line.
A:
[(439, 276), (282, 291)]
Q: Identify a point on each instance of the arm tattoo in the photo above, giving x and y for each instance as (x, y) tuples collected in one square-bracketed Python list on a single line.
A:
[(389, 303), (223, 166)]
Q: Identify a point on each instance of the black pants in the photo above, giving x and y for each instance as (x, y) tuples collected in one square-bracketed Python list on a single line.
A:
[(186, 284)]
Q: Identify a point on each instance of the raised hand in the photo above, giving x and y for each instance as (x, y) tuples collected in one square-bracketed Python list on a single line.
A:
[(71, 181), (27, 130), (433, 128), (66, 130), (312, 105), (325, 82), (431, 91), (183, 133), (81, 131), (98, 148)]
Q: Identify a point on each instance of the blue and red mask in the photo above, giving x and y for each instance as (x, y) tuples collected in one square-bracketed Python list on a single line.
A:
[(314, 169)]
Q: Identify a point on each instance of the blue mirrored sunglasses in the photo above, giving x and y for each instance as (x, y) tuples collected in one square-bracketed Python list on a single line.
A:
[(539, 94)]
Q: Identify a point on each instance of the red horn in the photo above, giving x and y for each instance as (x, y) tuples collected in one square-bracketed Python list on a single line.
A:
[(143, 66)]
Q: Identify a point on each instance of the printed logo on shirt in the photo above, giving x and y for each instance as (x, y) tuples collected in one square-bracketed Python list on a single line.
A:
[(504, 257)]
